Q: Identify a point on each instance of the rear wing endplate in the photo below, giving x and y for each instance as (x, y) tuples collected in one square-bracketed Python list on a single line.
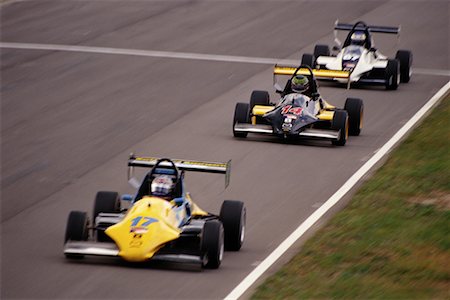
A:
[(182, 164)]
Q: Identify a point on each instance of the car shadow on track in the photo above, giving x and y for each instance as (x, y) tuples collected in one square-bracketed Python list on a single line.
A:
[(117, 262), (281, 141)]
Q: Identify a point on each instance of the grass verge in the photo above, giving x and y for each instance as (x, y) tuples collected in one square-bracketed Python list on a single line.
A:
[(393, 240)]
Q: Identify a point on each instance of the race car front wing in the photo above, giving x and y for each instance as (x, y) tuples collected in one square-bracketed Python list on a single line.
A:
[(110, 249), (307, 133)]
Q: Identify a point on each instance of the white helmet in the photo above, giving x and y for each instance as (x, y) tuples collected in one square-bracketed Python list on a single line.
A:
[(162, 186), (358, 38)]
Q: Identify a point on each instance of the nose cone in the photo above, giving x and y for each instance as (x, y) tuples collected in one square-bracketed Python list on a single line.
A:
[(148, 226)]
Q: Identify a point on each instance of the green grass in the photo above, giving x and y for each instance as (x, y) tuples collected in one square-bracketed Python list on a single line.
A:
[(393, 239)]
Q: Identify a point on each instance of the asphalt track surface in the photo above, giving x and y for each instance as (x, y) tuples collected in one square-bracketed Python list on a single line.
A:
[(69, 121)]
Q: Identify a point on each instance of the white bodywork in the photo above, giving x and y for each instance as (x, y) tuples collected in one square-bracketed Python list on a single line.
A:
[(367, 61)]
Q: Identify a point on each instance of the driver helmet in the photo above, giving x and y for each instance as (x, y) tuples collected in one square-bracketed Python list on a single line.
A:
[(162, 186), (299, 84), (358, 38)]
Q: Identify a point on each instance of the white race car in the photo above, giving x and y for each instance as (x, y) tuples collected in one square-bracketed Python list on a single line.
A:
[(358, 56)]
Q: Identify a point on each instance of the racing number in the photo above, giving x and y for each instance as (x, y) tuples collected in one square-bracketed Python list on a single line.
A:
[(146, 221), (293, 110)]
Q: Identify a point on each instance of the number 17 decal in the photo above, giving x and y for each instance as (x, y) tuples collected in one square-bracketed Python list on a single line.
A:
[(146, 221)]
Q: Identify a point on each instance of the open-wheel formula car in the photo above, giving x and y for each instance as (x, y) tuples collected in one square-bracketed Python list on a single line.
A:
[(162, 224), (358, 56), (299, 114)]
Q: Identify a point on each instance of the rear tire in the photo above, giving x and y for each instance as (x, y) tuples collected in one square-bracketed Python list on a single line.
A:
[(259, 98), (309, 60), (392, 74), (405, 58), (340, 122), (213, 243), (241, 115), (233, 216), (355, 111), (321, 50), (105, 202)]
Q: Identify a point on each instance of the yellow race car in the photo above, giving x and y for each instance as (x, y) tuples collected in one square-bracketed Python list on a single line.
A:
[(163, 222), (301, 112)]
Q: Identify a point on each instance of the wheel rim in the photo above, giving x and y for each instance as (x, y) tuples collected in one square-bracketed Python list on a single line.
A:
[(221, 250), (243, 217), (346, 129), (361, 119), (242, 234)]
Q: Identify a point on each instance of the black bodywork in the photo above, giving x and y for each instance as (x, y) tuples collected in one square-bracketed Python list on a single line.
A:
[(292, 116)]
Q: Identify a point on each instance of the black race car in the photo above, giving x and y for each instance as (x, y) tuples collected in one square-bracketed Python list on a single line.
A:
[(305, 115)]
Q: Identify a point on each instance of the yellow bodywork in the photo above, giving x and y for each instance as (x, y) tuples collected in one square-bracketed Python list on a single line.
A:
[(195, 209), (326, 112), (259, 110), (150, 223)]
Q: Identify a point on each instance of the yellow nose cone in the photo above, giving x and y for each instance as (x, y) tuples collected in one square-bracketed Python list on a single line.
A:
[(147, 227)]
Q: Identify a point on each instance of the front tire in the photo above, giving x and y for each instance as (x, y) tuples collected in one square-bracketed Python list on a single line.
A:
[(340, 122), (392, 74), (77, 227), (405, 58), (233, 216), (355, 111), (76, 230), (213, 243), (309, 60), (241, 115)]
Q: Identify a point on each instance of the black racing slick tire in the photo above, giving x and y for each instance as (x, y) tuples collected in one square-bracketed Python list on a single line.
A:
[(309, 60), (355, 111), (392, 76), (233, 216), (241, 115), (340, 122), (321, 50), (259, 98), (105, 202), (212, 244), (77, 227), (405, 58)]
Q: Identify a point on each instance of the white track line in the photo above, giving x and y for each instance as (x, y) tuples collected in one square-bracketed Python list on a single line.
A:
[(148, 53), (311, 220), (180, 55)]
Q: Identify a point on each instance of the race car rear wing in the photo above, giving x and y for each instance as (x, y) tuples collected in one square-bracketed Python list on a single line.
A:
[(372, 28), (318, 73), (181, 164)]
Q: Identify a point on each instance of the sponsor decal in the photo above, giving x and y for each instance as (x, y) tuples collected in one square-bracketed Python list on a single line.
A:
[(186, 162), (139, 224), (135, 243), (138, 230)]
